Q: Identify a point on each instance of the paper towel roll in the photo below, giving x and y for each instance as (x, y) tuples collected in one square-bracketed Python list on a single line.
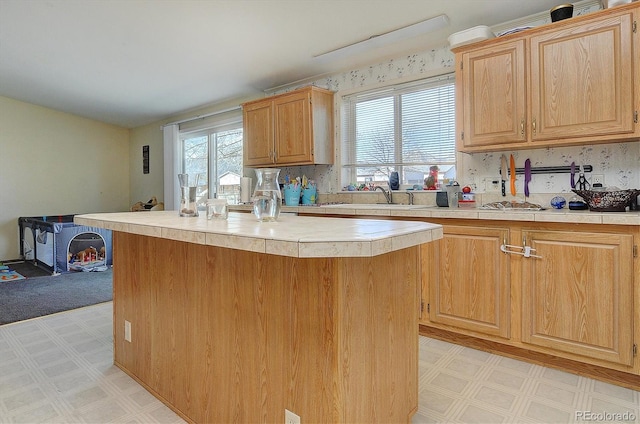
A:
[(245, 189)]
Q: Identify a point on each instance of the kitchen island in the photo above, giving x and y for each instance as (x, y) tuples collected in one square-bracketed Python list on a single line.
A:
[(237, 320)]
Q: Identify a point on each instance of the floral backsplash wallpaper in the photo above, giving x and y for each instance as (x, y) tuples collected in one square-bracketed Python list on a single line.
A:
[(618, 162)]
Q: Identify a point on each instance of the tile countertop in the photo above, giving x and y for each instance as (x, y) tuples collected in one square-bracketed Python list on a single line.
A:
[(423, 211), (295, 236)]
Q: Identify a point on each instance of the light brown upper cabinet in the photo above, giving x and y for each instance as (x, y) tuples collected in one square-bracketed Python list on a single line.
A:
[(492, 95), (571, 82), (294, 128)]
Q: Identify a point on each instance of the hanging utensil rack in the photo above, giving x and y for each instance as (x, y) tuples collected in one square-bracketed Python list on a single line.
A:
[(554, 169)]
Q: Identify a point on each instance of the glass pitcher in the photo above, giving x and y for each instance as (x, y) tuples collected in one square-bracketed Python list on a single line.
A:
[(267, 198), (188, 187)]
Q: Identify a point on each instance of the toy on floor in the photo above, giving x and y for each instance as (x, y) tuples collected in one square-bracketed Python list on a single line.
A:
[(87, 255)]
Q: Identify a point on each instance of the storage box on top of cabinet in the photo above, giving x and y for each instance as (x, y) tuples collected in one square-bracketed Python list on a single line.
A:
[(294, 128)]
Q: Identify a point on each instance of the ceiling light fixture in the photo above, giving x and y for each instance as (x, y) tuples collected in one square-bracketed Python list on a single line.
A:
[(379, 40)]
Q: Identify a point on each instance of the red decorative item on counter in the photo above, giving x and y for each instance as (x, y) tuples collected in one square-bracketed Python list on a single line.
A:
[(432, 180)]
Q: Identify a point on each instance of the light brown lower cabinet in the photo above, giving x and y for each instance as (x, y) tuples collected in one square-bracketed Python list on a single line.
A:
[(578, 297), (574, 302), (470, 285)]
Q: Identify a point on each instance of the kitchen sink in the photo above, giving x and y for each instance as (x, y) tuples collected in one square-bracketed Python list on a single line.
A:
[(375, 206)]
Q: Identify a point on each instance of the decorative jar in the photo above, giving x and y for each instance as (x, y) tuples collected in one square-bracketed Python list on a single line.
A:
[(267, 198), (188, 200)]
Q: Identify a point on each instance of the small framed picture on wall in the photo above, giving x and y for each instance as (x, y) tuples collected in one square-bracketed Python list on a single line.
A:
[(145, 159)]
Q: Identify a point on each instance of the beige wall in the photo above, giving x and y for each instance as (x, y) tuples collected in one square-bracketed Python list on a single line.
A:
[(54, 163), (144, 186)]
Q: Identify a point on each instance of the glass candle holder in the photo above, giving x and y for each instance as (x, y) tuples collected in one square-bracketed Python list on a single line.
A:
[(217, 209)]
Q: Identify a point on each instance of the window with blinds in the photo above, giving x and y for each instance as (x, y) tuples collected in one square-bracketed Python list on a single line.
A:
[(406, 128)]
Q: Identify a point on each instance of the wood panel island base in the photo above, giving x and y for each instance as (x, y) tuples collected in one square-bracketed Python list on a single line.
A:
[(224, 329)]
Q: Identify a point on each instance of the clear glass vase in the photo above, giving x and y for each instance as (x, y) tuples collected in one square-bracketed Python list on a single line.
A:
[(188, 187), (267, 198)]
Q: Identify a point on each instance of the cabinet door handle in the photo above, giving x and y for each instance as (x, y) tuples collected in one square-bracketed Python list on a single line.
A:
[(533, 124), (522, 128)]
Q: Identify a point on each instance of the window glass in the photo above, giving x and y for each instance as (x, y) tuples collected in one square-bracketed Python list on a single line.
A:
[(375, 147), (228, 168), (407, 128)]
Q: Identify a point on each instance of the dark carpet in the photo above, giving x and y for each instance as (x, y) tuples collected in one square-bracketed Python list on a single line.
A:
[(45, 295)]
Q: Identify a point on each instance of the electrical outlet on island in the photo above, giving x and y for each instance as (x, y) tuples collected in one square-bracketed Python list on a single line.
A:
[(127, 331), (290, 417)]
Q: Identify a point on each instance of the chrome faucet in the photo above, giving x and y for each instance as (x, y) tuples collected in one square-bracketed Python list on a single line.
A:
[(387, 194), (410, 194)]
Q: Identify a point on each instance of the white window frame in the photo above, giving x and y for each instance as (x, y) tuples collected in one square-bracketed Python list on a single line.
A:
[(173, 150), (210, 133), (348, 126)]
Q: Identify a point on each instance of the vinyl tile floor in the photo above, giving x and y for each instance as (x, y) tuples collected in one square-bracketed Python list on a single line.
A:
[(59, 369)]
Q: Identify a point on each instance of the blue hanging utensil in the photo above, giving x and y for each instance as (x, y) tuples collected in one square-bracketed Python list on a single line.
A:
[(527, 176), (573, 175)]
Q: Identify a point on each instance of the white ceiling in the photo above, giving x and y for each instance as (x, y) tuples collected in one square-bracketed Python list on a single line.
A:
[(132, 62)]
